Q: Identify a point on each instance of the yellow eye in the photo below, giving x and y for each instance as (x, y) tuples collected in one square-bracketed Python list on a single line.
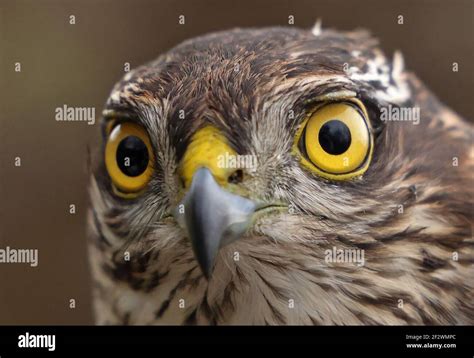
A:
[(337, 140), (128, 158)]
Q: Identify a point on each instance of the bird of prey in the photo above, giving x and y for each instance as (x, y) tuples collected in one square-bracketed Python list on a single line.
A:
[(241, 173)]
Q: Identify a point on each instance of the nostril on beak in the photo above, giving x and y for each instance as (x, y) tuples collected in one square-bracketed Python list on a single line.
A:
[(182, 182), (236, 177)]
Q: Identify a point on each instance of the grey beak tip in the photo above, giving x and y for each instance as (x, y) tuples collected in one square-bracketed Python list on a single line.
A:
[(212, 218), (205, 259), (206, 272)]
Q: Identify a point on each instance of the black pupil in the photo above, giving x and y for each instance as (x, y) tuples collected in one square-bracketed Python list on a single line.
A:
[(334, 137), (132, 156)]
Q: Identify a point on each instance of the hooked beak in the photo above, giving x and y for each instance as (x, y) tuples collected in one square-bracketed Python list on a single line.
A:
[(212, 217)]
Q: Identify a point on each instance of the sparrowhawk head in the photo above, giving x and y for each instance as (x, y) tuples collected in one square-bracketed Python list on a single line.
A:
[(238, 167)]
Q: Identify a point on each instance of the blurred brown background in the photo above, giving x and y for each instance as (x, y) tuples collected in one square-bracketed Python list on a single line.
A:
[(78, 64)]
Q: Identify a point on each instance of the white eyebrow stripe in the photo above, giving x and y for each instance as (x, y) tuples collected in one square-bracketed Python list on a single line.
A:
[(315, 80), (344, 94)]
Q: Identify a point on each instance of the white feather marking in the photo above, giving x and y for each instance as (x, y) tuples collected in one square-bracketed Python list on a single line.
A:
[(378, 70), (316, 30), (401, 92), (398, 65), (115, 96)]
